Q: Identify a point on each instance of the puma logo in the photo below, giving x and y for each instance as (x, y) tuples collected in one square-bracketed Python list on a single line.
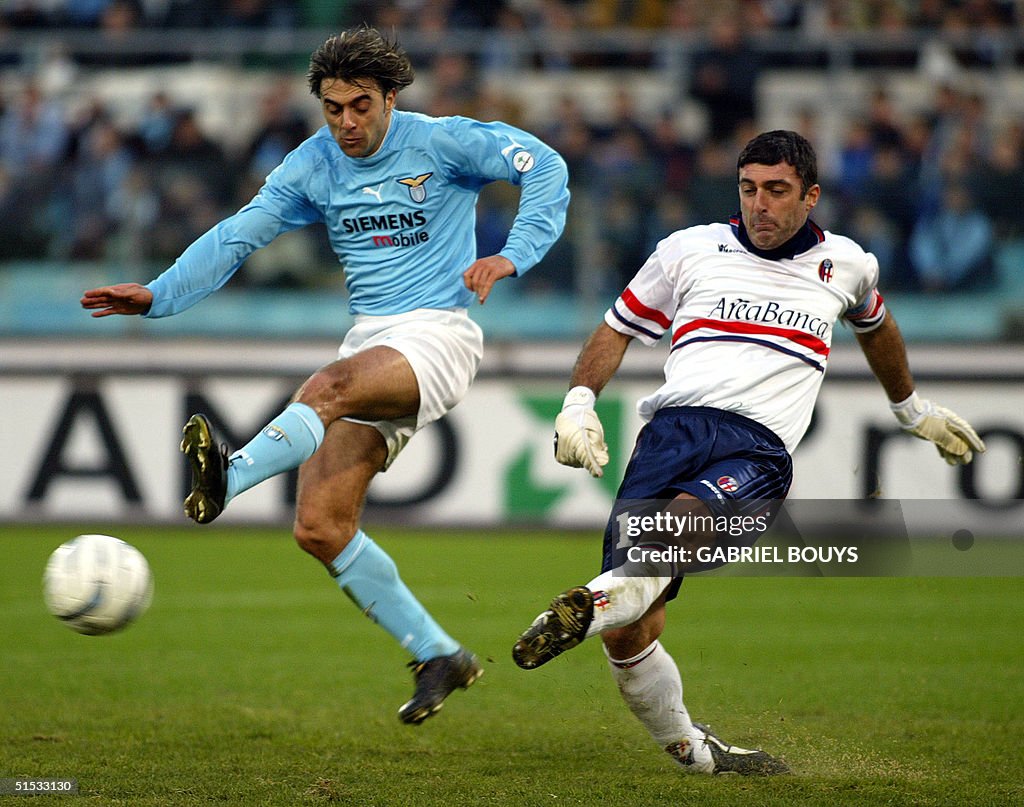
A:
[(375, 192)]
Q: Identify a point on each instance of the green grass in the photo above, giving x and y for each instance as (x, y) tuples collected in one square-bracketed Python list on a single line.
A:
[(252, 680)]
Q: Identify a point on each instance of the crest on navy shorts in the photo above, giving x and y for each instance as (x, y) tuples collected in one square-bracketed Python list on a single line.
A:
[(825, 270), (728, 484), (417, 189)]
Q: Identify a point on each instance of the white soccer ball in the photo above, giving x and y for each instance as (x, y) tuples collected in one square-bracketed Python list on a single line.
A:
[(97, 584)]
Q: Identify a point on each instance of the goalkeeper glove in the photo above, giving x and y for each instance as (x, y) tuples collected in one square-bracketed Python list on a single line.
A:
[(951, 434), (579, 436)]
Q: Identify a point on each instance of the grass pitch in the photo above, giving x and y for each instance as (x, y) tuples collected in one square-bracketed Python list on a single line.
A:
[(252, 680)]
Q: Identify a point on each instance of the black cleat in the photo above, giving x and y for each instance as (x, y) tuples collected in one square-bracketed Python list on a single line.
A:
[(731, 759), (436, 679), (209, 470), (560, 628)]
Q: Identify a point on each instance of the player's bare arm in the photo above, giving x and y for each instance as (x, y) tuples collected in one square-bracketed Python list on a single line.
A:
[(886, 353), (600, 358), (122, 298), (579, 435), (481, 276), (887, 357)]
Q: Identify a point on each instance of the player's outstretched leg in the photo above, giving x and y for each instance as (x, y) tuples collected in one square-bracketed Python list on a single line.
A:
[(733, 759), (209, 463), (436, 679), (561, 627)]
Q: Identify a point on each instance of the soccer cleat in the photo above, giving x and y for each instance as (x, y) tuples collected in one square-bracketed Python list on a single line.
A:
[(436, 679), (560, 628), (732, 759), (209, 470)]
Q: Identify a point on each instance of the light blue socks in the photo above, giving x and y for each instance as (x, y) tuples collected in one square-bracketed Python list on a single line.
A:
[(285, 443), (370, 578)]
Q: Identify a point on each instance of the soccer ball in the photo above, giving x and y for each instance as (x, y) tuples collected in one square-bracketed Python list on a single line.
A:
[(97, 584)]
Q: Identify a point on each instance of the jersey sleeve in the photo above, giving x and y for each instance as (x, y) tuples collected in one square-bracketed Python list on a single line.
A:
[(478, 153), (282, 204), (646, 307), (868, 311)]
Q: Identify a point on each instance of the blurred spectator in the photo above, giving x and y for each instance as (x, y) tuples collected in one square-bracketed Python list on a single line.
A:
[(187, 210), (191, 152), (928, 14), (280, 129), (258, 14), (157, 124), (725, 77), (492, 103), (713, 191), (23, 232), (194, 14), (454, 88), (575, 142), (505, 47), (673, 157), (670, 213), (473, 13), (624, 13), (874, 231), (56, 72), (133, 208), (555, 24), (623, 237), (883, 126), (889, 191), (98, 173), (784, 14), (623, 164), (953, 249), (975, 123), (85, 13), (118, 17), (33, 134), (80, 125), (855, 159), (999, 183)]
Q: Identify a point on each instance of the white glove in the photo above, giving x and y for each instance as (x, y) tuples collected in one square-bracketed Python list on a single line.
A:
[(951, 434), (579, 435)]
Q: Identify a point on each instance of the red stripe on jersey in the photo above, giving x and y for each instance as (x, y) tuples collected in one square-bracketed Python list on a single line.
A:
[(801, 338), (641, 310)]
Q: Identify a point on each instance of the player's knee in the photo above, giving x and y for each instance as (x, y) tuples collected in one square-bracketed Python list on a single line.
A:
[(328, 389), (324, 539), (630, 640)]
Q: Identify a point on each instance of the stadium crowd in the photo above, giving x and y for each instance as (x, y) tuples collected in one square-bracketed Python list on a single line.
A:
[(807, 15), (933, 194)]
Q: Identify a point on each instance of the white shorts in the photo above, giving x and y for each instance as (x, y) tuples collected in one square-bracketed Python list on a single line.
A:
[(444, 349)]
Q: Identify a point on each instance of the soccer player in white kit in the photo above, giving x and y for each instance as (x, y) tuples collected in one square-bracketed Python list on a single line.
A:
[(749, 307)]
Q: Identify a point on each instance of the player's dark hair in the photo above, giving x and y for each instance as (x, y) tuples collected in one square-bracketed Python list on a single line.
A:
[(359, 54), (783, 146)]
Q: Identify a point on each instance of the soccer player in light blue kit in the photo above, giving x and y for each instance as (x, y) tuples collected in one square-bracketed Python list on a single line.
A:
[(397, 192)]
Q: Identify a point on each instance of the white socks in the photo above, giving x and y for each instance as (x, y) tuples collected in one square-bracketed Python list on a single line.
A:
[(621, 601), (652, 689)]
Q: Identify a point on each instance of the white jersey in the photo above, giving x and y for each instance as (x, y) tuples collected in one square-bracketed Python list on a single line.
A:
[(751, 331)]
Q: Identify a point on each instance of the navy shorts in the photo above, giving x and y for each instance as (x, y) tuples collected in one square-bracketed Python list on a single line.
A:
[(726, 460)]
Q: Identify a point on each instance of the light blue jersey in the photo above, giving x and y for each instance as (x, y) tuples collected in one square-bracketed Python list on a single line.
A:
[(401, 221)]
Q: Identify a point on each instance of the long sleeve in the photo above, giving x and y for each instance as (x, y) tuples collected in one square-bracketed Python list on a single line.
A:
[(210, 261), (493, 151)]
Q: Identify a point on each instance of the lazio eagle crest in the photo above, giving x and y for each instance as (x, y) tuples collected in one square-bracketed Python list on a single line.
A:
[(417, 191)]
